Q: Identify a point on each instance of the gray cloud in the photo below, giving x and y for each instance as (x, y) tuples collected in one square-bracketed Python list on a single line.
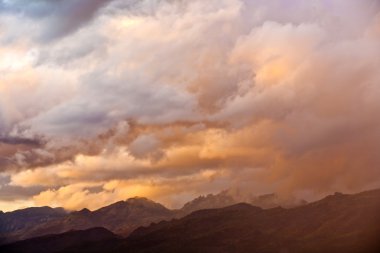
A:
[(61, 17), (283, 92), (14, 193), (20, 141)]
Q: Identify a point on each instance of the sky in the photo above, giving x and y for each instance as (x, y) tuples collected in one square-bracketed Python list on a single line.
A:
[(103, 100)]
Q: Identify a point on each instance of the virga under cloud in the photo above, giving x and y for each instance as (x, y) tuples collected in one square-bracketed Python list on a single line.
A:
[(170, 99)]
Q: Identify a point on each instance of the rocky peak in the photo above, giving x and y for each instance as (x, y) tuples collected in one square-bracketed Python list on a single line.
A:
[(209, 201), (142, 202), (84, 211)]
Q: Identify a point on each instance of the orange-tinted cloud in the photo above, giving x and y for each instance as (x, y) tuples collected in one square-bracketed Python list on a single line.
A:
[(172, 99)]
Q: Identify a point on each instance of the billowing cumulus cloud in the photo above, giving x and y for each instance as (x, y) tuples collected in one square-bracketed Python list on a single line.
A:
[(170, 99)]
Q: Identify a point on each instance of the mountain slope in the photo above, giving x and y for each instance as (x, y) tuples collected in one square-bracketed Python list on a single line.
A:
[(338, 223), (13, 224), (90, 240), (230, 197), (19, 219), (209, 201), (120, 218)]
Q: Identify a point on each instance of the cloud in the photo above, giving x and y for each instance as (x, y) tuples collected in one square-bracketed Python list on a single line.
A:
[(265, 95), (168, 192), (19, 141), (146, 146), (61, 17)]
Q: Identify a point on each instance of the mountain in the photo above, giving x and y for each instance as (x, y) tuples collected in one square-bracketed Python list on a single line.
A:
[(125, 216), (120, 218), (338, 223), (13, 223), (90, 240), (231, 197), (209, 201), (19, 219)]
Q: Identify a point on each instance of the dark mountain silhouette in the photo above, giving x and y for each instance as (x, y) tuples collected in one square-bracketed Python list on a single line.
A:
[(91, 240), (121, 217), (338, 223), (19, 221)]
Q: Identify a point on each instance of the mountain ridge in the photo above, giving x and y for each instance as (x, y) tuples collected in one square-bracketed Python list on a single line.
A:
[(339, 223), (121, 217)]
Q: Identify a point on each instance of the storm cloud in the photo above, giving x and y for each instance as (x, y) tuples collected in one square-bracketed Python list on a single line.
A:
[(171, 99)]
